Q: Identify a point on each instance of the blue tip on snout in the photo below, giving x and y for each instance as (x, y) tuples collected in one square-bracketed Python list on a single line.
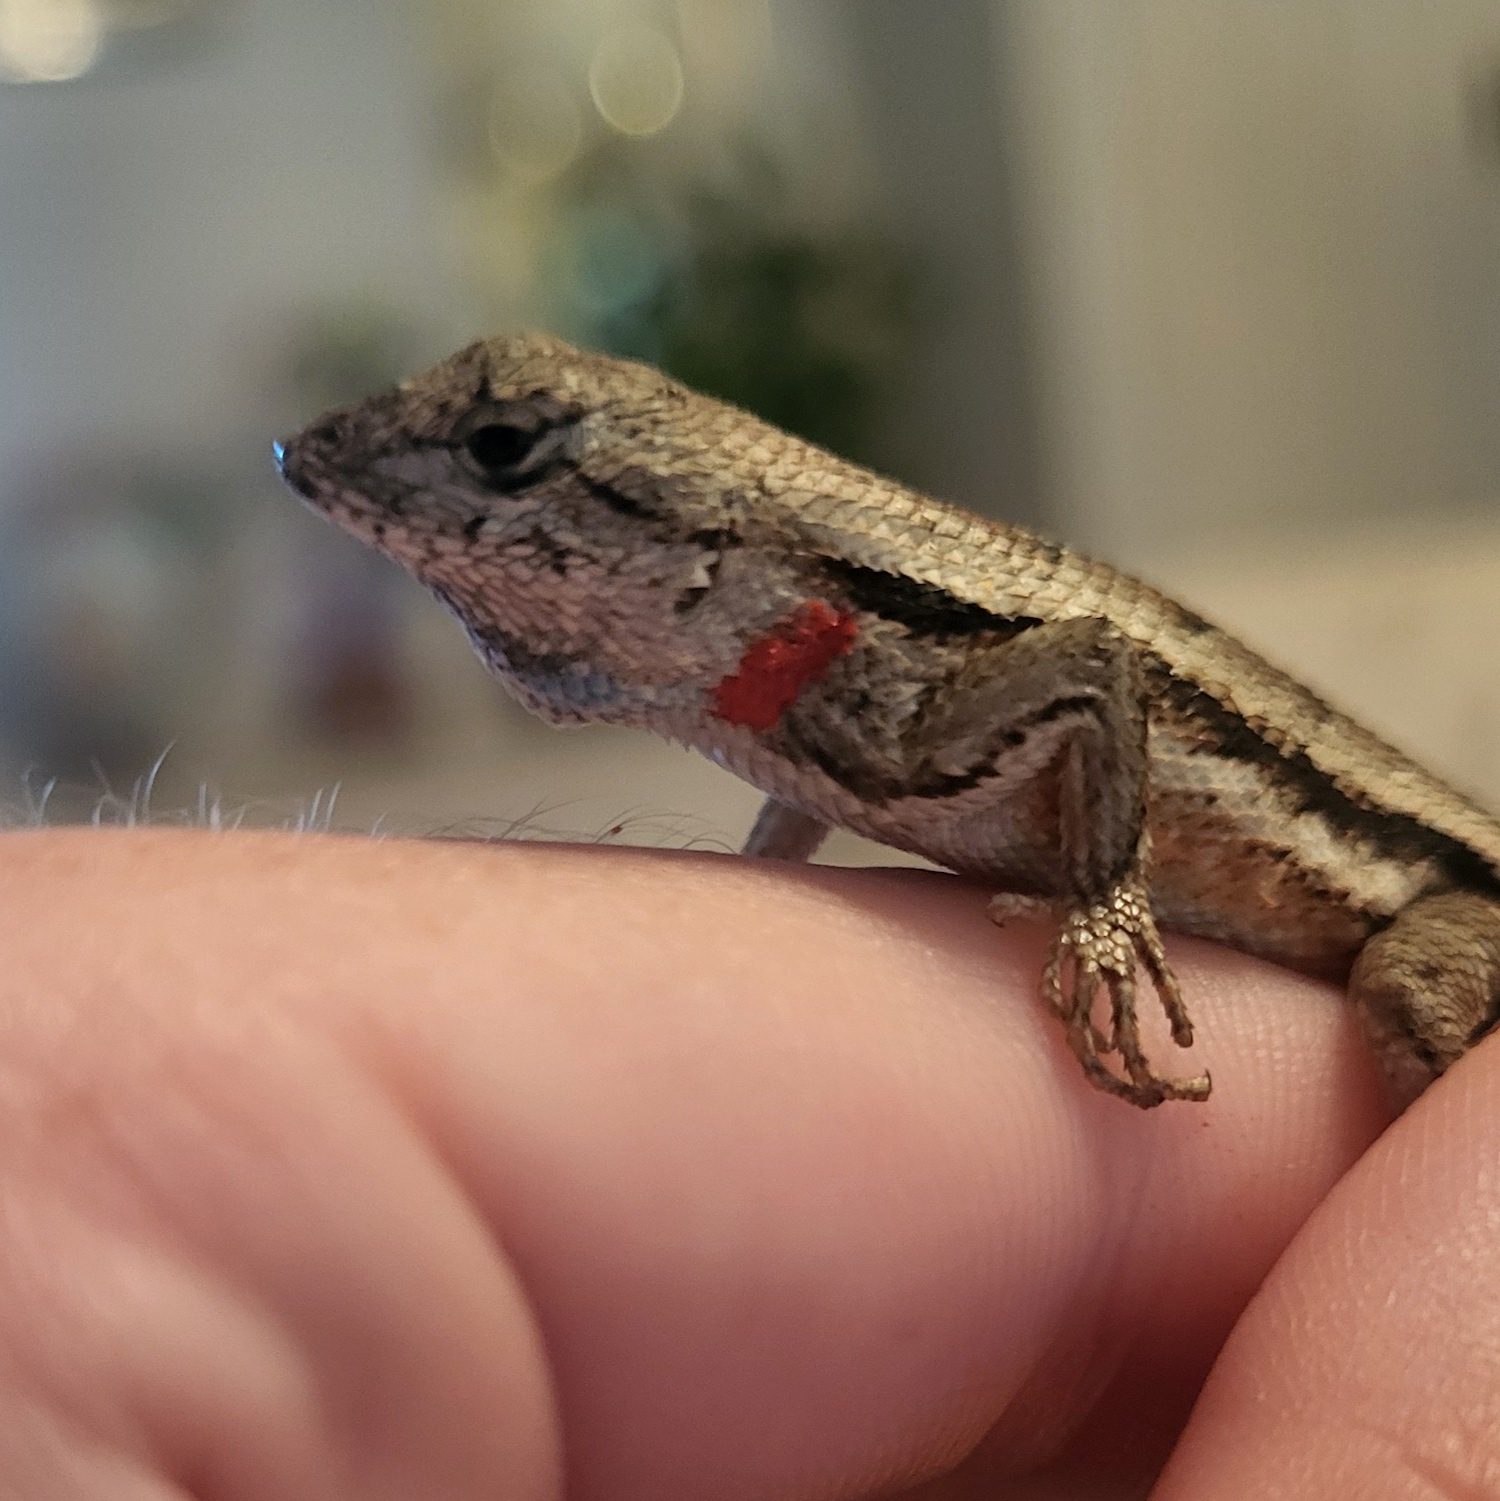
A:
[(278, 452)]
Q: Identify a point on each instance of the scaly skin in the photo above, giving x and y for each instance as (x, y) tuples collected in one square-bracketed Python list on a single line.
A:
[(622, 550)]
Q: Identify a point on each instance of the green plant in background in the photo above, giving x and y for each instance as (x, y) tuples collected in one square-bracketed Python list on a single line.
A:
[(733, 293)]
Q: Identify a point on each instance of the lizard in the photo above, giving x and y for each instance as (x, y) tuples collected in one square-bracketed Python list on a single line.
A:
[(623, 550)]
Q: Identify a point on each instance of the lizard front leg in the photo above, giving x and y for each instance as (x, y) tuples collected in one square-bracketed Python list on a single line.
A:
[(1068, 700), (1428, 987), (781, 832)]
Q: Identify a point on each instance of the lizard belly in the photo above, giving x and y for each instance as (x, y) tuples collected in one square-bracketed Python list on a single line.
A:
[(1240, 864), (1010, 844)]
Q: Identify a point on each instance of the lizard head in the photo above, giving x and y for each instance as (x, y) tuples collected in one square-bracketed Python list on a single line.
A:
[(593, 524)]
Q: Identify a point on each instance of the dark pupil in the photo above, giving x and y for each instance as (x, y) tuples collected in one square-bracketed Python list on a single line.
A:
[(499, 447)]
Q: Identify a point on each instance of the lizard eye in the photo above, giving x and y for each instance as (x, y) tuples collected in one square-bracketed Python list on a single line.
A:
[(508, 450), (497, 446), (500, 449)]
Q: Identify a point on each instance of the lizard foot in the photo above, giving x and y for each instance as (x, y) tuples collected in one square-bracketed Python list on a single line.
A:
[(1006, 907), (1098, 948)]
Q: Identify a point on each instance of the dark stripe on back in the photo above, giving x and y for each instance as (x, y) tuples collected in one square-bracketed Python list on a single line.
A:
[(1396, 835), (924, 609)]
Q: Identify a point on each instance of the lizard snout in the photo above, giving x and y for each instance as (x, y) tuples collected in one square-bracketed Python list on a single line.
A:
[(311, 452), (288, 454)]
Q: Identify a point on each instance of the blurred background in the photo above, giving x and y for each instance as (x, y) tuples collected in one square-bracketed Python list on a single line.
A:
[(1210, 287)]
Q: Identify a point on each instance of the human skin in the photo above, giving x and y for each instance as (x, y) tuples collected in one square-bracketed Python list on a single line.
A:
[(342, 1168)]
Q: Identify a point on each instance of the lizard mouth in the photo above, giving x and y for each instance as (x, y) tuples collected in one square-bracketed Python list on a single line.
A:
[(311, 461), (309, 467), (371, 507), (290, 460), (304, 465)]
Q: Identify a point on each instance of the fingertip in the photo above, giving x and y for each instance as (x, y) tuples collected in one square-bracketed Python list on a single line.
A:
[(1370, 1362)]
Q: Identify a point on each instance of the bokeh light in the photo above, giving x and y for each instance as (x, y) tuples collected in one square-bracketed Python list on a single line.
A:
[(635, 78), (49, 41)]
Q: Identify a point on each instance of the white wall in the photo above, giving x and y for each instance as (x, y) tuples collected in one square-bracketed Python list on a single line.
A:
[(158, 221), (1263, 252), (961, 419)]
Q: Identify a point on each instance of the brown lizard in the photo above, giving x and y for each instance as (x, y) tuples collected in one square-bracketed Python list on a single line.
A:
[(622, 550)]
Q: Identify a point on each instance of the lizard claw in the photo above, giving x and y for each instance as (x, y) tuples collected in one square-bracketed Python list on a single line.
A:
[(1098, 947)]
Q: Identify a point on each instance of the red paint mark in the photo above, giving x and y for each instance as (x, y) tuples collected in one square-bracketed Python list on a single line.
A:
[(797, 651)]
